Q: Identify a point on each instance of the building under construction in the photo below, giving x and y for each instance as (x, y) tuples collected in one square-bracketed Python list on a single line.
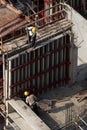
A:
[(35, 69), (49, 65)]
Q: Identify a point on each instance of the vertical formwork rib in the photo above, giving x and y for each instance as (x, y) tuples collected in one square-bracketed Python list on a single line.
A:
[(61, 60), (38, 68), (34, 68), (47, 65), (56, 61), (43, 67), (28, 69), (1, 77), (64, 58), (10, 77), (52, 60)]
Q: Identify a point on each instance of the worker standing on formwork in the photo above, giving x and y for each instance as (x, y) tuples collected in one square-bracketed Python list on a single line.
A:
[(31, 100), (32, 31)]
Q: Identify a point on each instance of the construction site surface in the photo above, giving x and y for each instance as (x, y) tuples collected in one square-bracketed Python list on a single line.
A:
[(54, 69)]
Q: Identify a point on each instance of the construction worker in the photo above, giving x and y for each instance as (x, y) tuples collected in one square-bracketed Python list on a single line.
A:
[(32, 34), (31, 100)]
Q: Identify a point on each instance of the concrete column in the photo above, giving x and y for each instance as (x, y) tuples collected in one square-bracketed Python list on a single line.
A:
[(74, 54)]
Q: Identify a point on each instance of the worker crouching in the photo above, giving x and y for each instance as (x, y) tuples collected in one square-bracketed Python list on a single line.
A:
[(31, 100)]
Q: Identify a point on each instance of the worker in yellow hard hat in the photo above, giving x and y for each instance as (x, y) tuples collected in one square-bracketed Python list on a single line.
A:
[(26, 93), (31, 100), (32, 31)]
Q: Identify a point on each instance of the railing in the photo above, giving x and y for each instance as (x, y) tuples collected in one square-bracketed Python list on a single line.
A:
[(41, 19), (47, 16)]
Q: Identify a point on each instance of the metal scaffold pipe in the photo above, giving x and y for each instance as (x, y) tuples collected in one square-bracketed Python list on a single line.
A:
[(78, 126), (82, 120)]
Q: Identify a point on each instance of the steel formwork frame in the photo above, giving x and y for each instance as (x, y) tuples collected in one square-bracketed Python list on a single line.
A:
[(41, 69)]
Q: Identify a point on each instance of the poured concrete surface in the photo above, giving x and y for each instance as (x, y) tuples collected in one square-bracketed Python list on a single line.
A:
[(80, 32), (63, 103)]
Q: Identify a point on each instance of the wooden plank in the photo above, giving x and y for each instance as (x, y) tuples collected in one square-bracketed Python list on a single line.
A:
[(19, 121), (81, 95), (28, 115)]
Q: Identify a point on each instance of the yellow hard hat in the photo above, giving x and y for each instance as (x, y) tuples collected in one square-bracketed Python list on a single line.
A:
[(33, 30), (26, 93)]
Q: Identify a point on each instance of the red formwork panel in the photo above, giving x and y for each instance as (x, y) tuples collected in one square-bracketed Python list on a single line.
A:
[(44, 68)]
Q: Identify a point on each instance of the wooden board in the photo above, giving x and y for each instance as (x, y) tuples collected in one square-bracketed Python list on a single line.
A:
[(28, 115), (19, 121)]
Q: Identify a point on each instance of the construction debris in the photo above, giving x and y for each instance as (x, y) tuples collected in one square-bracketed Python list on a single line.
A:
[(81, 95)]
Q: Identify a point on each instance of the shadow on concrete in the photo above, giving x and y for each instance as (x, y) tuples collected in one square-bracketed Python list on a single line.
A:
[(52, 124), (82, 73), (62, 108)]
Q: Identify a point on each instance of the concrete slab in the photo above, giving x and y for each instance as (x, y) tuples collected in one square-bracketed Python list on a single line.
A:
[(19, 121)]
